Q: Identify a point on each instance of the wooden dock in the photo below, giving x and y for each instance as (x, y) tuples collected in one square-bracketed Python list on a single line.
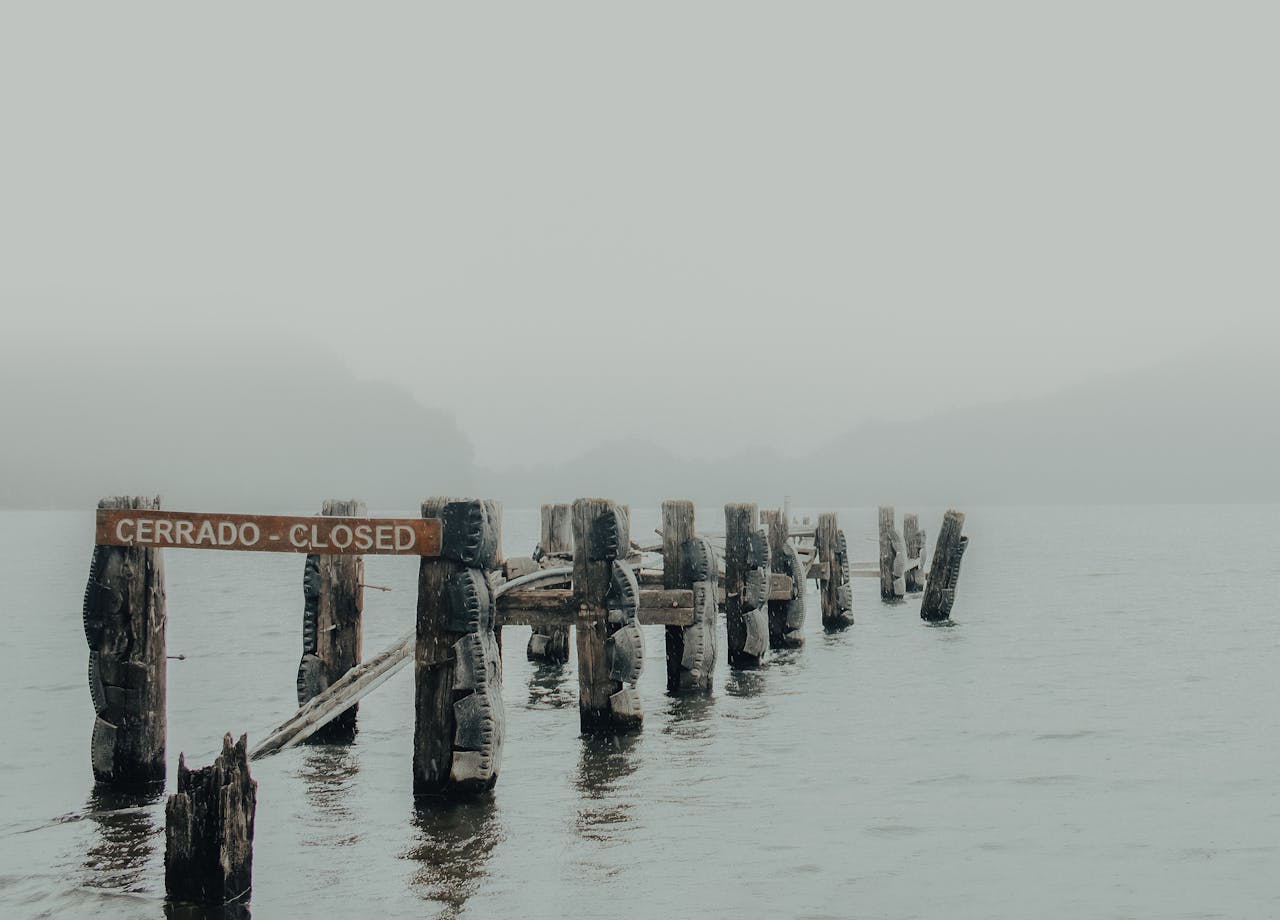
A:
[(588, 577)]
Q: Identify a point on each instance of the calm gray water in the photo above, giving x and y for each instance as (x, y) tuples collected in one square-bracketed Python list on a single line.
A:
[(1097, 738)]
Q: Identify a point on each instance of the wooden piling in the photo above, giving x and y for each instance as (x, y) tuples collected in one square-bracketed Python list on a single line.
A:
[(915, 540), (745, 610), (677, 532), (124, 625), (458, 728), (208, 853), (555, 547), (893, 557), (690, 563), (940, 590), (834, 588), (607, 701), (786, 617), (333, 592)]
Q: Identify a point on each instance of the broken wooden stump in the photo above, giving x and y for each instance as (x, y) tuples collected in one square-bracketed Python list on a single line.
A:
[(458, 725), (786, 617), (124, 625), (208, 853), (610, 643), (834, 587), (554, 547), (915, 540), (333, 595), (746, 585), (940, 589)]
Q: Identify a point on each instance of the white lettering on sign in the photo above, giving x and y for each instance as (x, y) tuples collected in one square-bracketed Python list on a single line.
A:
[(273, 533)]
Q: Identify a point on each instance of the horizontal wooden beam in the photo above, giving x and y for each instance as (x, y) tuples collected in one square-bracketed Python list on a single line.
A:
[(779, 588), (555, 607)]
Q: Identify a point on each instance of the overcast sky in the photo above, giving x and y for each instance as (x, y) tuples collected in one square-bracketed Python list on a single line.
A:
[(705, 224)]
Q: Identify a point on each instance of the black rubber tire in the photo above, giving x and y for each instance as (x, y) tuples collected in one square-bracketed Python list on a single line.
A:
[(610, 536), (97, 690), (470, 601), (471, 532)]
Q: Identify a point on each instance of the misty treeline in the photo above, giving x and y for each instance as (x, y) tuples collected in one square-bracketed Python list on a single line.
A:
[(273, 429), (227, 426)]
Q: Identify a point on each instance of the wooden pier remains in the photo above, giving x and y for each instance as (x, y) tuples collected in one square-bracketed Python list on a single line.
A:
[(746, 586), (458, 728), (555, 547), (901, 560), (607, 598), (786, 613), (689, 562), (940, 589), (597, 582), (124, 624), (208, 852), (333, 606), (835, 587), (586, 573), (914, 539)]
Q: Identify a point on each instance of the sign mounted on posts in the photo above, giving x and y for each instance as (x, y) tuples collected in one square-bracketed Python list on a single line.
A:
[(266, 533)]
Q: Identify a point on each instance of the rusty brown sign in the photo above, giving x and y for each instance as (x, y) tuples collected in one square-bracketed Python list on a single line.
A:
[(266, 533)]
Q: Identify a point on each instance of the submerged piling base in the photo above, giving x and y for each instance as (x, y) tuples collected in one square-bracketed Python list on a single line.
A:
[(208, 835)]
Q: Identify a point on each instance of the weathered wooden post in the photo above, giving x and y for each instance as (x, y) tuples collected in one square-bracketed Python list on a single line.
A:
[(124, 624), (940, 590), (551, 643), (886, 552), (746, 586), (893, 557), (786, 617), (610, 643), (333, 605), (689, 562), (915, 540), (208, 853), (834, 588), (457, 741)]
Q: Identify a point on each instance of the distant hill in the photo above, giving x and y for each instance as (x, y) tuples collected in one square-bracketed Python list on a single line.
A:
[(264, 427), (253, 428), (1201, 429)]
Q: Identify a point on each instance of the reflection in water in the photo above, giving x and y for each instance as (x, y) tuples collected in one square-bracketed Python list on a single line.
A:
[(605, 763), (328, 773), (238, 911), (787, 661), (456, 840), (689, 715), (126, 841), (745, 683), (549, 686)]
